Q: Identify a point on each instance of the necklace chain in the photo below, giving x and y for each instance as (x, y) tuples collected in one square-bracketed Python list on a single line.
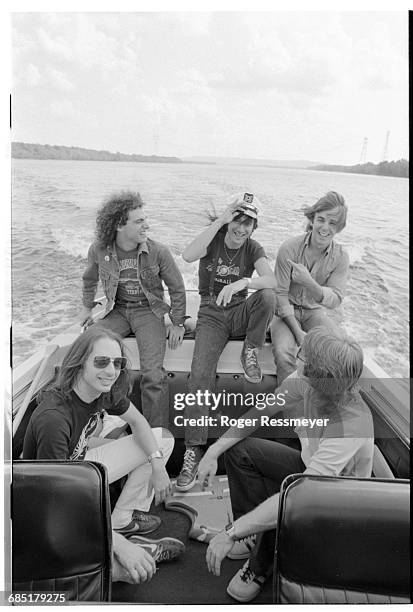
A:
[(231, 259)]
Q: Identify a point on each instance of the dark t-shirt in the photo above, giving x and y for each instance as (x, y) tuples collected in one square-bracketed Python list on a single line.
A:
[(232, 264), (129, 287), (59, 429)]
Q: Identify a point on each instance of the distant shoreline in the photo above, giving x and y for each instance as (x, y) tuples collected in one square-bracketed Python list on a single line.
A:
[(23, 150)]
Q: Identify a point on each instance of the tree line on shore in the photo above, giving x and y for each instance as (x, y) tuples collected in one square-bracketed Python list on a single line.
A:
[(24, 150), (385, 168)]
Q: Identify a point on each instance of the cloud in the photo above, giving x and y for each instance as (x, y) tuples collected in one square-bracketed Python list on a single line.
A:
[(55, 46), (64, 109), (59, 81), (33, 76)]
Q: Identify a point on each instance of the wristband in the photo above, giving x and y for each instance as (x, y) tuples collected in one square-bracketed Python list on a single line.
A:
[(155, 455)]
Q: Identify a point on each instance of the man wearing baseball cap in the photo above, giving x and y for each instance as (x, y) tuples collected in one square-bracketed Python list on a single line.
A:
[(227, 258)]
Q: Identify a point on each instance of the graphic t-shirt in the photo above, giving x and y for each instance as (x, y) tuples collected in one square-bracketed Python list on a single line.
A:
[(129, 286), (232, 264), (59, 429)]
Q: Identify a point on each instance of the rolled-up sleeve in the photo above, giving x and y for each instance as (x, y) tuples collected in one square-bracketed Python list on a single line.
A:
[(170, 274), (335, 288), (333, 455), (282, 273), (90, 279)]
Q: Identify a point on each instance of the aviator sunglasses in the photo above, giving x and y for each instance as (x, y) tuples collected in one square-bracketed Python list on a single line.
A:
[(101, 361)]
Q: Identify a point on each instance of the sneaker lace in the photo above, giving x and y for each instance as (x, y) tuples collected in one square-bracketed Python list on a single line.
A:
[(247, 574), (143, 518), (189, 460), (162, 556), (250, 357)]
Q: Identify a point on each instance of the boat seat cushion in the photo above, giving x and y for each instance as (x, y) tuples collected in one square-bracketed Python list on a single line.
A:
[(342, 540), (61, 527)]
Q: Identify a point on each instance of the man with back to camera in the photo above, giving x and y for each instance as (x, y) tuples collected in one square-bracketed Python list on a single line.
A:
[(341, 443), (131, 268), (311, 272)]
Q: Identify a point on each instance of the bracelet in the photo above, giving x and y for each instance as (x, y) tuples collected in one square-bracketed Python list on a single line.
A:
[(155, 455)]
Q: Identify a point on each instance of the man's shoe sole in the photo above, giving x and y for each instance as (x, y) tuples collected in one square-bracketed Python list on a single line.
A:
[(179, 547), (252, 380), (187, 487), (242, 599), (129, 532)]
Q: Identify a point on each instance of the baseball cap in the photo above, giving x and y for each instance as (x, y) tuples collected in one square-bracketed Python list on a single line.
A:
[(247, 204)]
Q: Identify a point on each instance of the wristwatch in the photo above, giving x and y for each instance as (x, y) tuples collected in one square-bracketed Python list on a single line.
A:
[(158, 454), (230, 531)]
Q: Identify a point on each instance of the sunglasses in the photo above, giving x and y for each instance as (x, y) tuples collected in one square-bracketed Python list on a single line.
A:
[(101, 361)]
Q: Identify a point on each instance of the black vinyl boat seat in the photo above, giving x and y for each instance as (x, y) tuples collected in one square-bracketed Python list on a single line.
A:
[(342, 540), (61, 528)]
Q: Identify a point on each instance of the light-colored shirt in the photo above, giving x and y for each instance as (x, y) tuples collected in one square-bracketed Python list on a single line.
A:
[(330, 271), (342, 447)]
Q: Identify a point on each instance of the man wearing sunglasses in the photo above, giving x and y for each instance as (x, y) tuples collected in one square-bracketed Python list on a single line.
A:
[(132, 269)]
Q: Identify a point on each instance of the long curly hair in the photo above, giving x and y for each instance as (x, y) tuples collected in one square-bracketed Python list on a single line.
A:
[(75, 359), (113, 213)]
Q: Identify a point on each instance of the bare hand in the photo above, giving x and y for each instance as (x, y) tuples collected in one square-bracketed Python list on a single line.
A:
[(229, 213), (300, 274), (159, 481), (139, 564), (85, 317), (207, 469), (225, 295), (218, 549), (175, 335)]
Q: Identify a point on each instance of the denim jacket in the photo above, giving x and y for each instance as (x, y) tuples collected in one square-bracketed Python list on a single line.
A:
[(155, 264)]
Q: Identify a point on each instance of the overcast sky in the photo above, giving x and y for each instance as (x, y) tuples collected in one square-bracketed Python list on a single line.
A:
[(272, 85)]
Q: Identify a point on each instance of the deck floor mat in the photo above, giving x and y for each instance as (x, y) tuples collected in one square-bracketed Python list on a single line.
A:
[(185, 580)]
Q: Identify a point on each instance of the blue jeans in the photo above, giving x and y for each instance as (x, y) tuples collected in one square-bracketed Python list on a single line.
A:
[(255, 470), (214, 326), (284, 346), (150, 335)]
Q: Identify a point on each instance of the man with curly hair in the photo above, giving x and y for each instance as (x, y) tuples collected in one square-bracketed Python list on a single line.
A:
[(131, 268), (311, 272)]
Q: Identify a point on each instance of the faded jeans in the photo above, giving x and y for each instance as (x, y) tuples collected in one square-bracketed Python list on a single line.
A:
[(150, 335), (122, 457), (214, 327), (284, 346), (256, 469)]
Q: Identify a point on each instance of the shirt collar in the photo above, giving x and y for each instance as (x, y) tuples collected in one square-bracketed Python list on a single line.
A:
[(328, 249), (142, 248)]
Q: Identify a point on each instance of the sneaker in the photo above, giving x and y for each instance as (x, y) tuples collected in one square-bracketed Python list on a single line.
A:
[(245, 585), (249, 362), (187, 476), (165, 549), (243, 548), (141, 523)]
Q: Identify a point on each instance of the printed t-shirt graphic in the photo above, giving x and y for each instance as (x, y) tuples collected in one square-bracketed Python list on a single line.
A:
[(129, 286)]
